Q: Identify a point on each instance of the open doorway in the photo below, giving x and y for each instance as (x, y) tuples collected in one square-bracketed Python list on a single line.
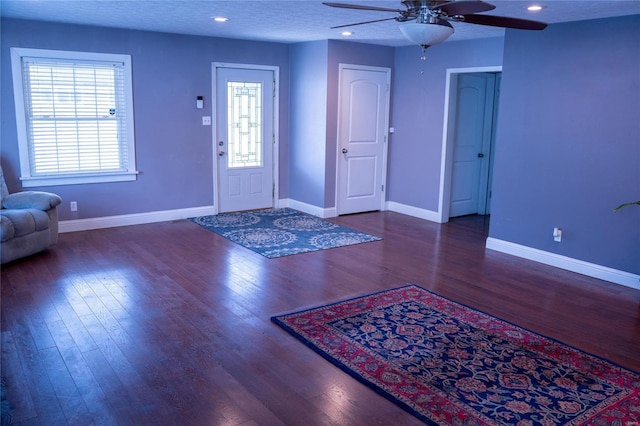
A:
[(468, 143)]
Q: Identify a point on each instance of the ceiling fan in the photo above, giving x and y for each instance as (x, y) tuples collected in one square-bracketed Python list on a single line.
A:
[(427, 22)]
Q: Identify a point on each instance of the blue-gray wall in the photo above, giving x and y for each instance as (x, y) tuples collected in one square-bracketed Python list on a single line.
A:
[(418, 115), (173, 149), (308, 109), (314, 105), (568, 141)]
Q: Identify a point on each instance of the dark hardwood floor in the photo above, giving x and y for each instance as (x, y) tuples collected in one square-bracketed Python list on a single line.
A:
[(169, 323)]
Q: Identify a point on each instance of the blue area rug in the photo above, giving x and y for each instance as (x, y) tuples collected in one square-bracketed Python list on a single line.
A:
[(281, 232)]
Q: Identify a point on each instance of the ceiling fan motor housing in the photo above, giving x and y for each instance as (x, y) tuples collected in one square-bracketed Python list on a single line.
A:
[(415, 5)]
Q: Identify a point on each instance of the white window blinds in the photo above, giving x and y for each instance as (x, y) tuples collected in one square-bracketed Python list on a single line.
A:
[(76, 118)]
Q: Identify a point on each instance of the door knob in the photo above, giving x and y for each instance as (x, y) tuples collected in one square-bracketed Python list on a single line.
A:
[(221, 154), (345, 150), (221, 143), (480, 155)]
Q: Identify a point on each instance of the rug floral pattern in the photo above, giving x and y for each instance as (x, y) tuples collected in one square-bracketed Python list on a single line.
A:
[(449, 364), (281, 232)]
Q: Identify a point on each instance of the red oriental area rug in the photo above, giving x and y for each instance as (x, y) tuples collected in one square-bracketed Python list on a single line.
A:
[(449, 364)]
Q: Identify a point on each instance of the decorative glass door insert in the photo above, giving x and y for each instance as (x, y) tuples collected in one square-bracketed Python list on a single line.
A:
[(244, 125)]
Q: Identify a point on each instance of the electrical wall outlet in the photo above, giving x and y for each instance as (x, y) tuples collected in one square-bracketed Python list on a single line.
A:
[(73, 206), (557, 234)]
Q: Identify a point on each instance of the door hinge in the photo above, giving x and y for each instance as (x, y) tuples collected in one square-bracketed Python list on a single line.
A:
[(273, 191), (382, 188)]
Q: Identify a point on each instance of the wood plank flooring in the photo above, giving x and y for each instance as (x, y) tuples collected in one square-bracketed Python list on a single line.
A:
[(169, 324)]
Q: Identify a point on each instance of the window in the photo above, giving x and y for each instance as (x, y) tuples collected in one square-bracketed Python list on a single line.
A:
[(244, 124), (74, 113)]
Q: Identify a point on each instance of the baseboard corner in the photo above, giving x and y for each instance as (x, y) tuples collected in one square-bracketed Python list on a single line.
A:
[(605, 273), (418, 212), (308, 208)]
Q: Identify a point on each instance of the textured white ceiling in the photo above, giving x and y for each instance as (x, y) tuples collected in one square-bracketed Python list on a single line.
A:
[(287, 21)]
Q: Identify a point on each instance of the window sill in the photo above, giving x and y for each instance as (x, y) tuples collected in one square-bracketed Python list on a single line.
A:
[(28, 182)]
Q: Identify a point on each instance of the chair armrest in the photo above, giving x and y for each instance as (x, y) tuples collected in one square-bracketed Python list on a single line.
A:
[(31, 200)]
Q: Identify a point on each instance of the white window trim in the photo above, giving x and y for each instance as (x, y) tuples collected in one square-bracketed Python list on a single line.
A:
[(17, 53)]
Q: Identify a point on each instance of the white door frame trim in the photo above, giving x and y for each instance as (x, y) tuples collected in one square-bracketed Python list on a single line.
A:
[(385, 152), (276, 128), (444, 198)]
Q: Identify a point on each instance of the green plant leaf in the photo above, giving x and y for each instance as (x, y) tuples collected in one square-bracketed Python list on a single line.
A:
[(626, 204)]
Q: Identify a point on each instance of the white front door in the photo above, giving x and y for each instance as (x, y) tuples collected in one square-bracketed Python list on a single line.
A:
[(363, 118), (244, 138), (473, 126)]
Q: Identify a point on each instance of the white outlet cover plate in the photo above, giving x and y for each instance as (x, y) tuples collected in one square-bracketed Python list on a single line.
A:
[(206, 121)]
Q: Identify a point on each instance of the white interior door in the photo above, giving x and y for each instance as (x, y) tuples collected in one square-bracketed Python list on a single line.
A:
[(363, 118), (244, 139), (473, 128)]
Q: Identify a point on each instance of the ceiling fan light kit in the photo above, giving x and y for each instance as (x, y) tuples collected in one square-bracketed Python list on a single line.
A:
[(426, 35)]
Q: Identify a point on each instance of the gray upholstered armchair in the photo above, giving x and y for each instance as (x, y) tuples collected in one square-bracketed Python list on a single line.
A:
[(29, 222)]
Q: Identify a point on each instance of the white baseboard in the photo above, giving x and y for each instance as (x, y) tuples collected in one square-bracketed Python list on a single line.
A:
[(132, 219), (413, 211), (585, 268), (333, 212), (168, 215), (308, 208)]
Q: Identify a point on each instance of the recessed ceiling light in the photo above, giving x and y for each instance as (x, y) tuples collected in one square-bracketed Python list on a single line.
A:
[(220, 19), (346, 33), (534, 8)]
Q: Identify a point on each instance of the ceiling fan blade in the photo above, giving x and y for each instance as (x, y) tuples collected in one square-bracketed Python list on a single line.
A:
[(361, 23), (361, 7), (465, 7), (504, 22)]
